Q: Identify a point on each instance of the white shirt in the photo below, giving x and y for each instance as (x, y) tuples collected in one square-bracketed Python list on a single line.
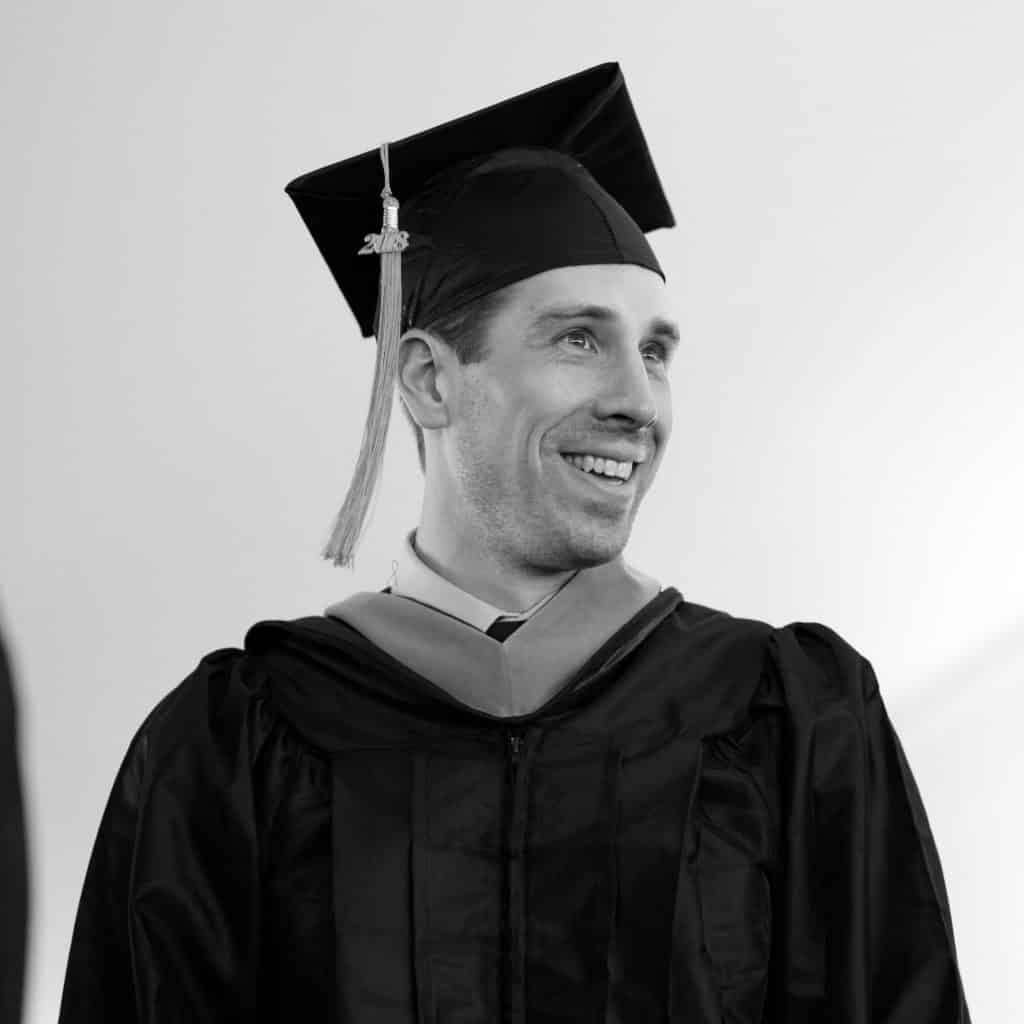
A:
[(416, 580)]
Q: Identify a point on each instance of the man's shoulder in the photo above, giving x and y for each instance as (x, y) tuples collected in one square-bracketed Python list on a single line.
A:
[(208, 706), (817, 671), (804, 663), (705, 624), (222, 713)]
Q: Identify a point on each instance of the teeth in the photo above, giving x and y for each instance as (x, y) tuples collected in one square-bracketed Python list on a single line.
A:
[(604, 467)]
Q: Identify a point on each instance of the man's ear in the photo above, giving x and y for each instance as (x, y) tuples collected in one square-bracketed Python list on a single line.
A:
[(423, 360)]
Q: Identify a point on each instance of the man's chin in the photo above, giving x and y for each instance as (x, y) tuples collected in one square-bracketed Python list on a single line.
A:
[(591, 555), (588, 548)]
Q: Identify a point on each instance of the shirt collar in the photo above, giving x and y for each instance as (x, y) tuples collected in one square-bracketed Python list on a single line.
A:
[(415, 579)]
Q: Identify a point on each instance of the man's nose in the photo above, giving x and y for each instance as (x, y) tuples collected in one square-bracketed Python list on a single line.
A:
[(627, 392)]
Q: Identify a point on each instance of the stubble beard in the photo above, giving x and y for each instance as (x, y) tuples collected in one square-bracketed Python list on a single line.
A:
[(532, 530)]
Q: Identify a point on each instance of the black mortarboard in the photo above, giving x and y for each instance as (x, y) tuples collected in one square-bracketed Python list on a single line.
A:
[(559, 176)]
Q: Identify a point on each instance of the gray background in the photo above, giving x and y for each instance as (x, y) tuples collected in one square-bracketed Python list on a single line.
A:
[(183, 388)]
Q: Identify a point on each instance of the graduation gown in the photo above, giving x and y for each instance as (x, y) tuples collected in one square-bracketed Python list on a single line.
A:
[(707, 819)]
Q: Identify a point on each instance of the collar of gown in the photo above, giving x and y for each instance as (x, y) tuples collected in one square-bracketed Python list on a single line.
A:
[(516, 676), (416, 580)]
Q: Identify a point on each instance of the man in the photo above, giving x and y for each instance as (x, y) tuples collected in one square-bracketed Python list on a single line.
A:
[(527, 783)]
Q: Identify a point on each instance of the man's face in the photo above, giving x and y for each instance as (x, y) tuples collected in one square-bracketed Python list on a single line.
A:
[(577, 364)]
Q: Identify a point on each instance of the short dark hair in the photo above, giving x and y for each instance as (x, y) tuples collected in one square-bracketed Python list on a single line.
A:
[(464, 331)]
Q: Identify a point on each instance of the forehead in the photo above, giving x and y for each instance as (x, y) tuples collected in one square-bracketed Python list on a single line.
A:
[(634, 293)]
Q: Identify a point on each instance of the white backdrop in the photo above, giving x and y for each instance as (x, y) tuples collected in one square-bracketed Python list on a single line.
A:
[(183, 388)]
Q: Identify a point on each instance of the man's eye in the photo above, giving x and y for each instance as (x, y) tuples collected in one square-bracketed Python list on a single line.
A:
[(578, 333), (659, 350)]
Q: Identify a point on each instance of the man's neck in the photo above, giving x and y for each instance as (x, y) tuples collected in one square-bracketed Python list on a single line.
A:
[(505, 587)]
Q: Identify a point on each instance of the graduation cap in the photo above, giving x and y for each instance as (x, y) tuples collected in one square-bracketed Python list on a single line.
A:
[(559, 176)]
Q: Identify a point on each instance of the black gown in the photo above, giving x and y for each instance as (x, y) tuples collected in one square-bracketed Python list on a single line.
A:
[(712, 820)]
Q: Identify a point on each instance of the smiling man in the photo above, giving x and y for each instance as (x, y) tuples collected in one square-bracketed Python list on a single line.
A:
[(539, 454), (525, 783)]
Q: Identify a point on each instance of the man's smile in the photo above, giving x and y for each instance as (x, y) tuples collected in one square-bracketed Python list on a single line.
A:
[(611, 486)]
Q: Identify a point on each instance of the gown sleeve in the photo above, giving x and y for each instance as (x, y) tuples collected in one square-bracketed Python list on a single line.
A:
[(862, 932), (167, 925)]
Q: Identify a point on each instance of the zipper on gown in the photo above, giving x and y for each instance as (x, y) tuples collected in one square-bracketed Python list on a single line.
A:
[(514, 931)]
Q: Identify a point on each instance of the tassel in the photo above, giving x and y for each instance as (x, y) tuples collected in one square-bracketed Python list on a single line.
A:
[(389, 245)]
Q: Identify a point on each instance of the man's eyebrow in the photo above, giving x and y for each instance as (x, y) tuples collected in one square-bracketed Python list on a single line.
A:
[(559, 313), (665, 330), (660, 328)]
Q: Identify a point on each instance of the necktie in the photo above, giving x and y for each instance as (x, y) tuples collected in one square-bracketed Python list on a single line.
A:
[(502, 628)]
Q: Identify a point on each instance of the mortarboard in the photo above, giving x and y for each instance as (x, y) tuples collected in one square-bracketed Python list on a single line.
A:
[(558, 176)]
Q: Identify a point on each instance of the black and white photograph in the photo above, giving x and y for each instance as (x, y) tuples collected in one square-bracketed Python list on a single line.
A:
[(511, 514)]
